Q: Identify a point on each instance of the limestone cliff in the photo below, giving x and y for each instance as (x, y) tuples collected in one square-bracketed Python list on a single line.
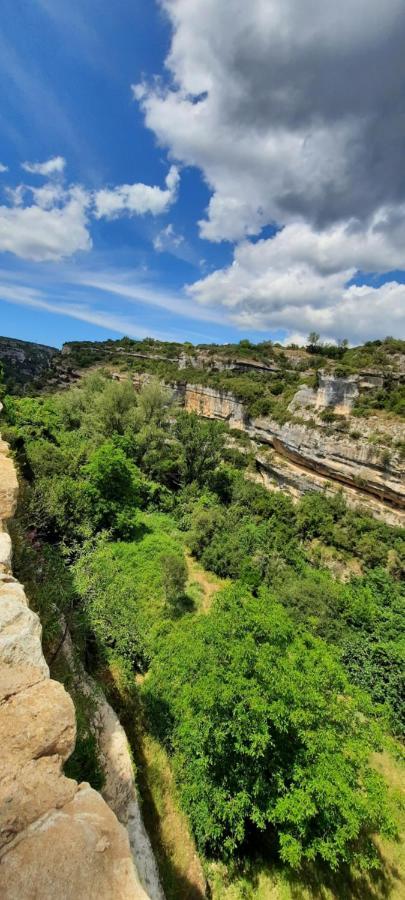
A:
[(306, 453), (58, 839)]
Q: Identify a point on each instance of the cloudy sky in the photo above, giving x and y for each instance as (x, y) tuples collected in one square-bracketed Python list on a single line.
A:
[(202, 169)]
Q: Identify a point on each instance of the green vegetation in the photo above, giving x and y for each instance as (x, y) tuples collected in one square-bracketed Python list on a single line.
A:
[(267, 701), (266, 735), (391, 398), (263, 376), (25, 364)]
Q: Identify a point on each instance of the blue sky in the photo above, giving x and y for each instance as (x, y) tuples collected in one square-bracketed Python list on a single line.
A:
[(151, 183), (66, 75)]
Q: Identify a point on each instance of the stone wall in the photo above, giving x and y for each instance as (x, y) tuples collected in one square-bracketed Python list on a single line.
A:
[(58, 839)]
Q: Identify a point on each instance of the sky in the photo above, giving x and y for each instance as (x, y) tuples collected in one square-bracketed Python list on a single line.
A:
[(202, 170)]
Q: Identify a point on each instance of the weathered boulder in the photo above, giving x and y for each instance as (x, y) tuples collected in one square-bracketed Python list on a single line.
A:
[(77, 851)]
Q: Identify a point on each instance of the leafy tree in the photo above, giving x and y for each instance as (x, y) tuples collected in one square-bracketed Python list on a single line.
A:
[(201, 444), (154, 404), (123, 589), (266, 734), (2, 387), (114, 487), (174, 574), (313, 341)]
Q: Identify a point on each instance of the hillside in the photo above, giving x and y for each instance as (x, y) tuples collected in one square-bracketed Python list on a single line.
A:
[(242, 612), (324, 417)]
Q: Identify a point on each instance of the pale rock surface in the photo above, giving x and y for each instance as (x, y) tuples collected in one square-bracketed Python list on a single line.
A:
[(58, 839), (5, 551), (78, 851), (119, 789), (309, 455)]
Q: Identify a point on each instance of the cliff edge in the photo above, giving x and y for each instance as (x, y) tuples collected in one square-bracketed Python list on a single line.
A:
[(57, 838)]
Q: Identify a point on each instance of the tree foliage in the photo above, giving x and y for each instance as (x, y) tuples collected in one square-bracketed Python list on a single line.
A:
[(266, 733)]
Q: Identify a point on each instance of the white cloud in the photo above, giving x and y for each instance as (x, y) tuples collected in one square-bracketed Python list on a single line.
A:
[(167, 241), (53, 166), (137, 199), (298, 281), (281, 105), (51, 222), (3, 168), (53, 227), (123, 284), (88, 308)]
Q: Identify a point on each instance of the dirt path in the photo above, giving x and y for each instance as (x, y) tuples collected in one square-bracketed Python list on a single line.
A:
[(207, 583)]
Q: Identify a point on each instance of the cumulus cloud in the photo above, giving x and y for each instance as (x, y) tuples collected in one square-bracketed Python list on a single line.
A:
[(3, 168), (137, 199), (289, 108), (50, 227), (294, 114), (52, 221), (53, 166), (301, 280)]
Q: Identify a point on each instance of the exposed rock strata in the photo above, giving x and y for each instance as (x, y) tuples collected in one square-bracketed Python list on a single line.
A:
[(317, 457), (57, 838), (211, 403)]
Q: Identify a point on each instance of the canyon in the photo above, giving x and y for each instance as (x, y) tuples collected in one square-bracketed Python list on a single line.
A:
[(307, 454)]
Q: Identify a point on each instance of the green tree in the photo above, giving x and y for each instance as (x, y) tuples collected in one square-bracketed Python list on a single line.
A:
[(266, 734), (154, 404), (313, 340), (201, 445), (174, 576), (114, 487), (2, 387)]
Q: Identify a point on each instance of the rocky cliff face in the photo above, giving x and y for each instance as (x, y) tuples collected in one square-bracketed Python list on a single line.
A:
[(211, 404), (25, 363), (58, 839), (310, 455)]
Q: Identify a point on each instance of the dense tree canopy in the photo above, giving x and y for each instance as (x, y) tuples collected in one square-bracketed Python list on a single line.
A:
[(265, 732)]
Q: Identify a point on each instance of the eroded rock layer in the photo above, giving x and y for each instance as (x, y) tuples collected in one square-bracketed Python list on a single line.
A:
[(306, 456), (58, 839)]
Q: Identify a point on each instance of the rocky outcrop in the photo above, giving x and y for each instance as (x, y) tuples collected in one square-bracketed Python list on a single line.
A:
[(309, 454), (337, 457), (57, 838), (25, 362), (211, 403), (276, 472)]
